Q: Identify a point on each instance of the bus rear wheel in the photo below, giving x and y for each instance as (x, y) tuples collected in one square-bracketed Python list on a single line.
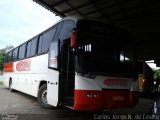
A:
[(10, 86), (42, 97)]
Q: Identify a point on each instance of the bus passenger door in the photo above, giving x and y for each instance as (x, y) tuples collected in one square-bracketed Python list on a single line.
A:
[(67, 74), (53, 75)]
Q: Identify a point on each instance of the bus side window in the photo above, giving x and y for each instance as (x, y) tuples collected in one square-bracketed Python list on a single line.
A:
[(67, 29), (22, 51), (45, 40), (6, 58), (28, 49), (40, 44), (10, 56), (15, 54), (34, 47), (122, 57)]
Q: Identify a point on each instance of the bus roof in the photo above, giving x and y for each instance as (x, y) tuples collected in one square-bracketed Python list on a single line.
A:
[(75, 18)]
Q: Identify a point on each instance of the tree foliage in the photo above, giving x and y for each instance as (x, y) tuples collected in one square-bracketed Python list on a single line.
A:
[(3, 51), (2, 55), (157, 74)]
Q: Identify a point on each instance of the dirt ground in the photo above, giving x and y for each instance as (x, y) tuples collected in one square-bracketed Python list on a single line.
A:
[(19, 106)]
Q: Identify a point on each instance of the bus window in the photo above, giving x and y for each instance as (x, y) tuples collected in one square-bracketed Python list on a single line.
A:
[(15, 54), (6, 58), (40, 44), (10, 56), (47, 38), (129, 56), (34, 47), (67, 29), (126, 56), (22, 51), (140, 67), (122, 57), (28, 49)]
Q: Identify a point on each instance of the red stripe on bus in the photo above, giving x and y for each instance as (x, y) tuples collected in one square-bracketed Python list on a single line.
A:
[(92, 100), (8, 67)]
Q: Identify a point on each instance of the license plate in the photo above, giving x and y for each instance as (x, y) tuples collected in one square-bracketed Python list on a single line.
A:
[(118, 98)]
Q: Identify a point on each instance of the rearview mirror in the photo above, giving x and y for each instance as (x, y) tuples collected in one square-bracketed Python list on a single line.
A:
[(73, 40)]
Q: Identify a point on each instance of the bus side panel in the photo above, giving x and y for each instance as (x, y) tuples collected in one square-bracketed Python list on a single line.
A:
[(27, 74), (6, 77)]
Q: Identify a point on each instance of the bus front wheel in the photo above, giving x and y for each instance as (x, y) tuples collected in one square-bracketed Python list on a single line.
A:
[(42, 97)]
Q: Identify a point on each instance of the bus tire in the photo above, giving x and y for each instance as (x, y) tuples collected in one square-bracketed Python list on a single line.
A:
[(42, 97), (10, 86)]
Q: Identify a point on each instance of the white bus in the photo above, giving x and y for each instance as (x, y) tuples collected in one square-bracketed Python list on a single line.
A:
[(83, 64)]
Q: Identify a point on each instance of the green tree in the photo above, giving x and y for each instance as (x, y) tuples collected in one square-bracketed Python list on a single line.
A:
[(156, 74), (156, 77), (2, 55), (3, 51)]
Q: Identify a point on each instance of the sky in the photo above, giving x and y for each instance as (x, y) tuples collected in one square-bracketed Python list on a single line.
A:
[(21, 20), (152, 64)]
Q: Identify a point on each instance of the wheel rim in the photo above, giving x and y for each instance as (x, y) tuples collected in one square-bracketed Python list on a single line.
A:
[(44, 96)]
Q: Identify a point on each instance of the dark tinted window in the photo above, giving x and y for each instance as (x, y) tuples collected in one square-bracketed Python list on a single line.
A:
[(6, 58), (22, 50), (28, 49), (40, 44), (140, 67), (15, 54), (67, 29), (10, 56), (33, 47), (47, 38)]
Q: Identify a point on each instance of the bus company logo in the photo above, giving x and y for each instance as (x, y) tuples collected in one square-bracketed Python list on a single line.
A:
[(23, 65), (116, 82)]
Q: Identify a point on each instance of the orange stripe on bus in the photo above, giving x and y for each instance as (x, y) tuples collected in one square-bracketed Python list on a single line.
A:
[(8, 67)]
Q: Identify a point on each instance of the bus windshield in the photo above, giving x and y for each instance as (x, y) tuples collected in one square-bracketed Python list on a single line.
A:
[(103, 52)]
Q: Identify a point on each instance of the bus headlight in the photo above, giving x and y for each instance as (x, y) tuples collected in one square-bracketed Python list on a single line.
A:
[(88, 95), (93, 95)]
